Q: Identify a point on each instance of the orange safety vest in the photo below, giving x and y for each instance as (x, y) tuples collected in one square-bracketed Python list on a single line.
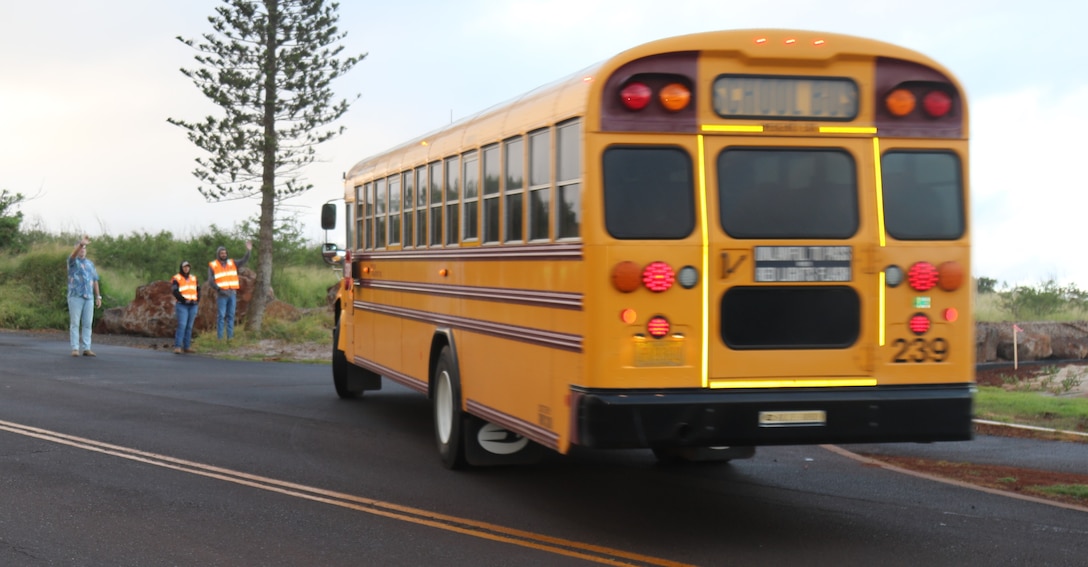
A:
[(187, 287), (226, 277)]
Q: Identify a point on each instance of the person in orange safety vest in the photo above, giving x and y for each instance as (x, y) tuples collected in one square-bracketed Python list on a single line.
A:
[(223, 278), (185, 289)]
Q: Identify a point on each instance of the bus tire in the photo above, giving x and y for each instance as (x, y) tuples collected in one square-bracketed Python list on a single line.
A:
[(449, 420), (675, 455)]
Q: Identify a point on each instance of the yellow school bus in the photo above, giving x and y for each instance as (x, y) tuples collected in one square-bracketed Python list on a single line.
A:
[(704, 244)]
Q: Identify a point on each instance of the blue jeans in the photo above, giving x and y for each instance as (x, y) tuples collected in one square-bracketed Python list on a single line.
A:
[(225, 305), (80, 312), (183, 337)]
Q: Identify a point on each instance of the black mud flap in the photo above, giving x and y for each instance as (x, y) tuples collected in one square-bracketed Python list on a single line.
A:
[(360, 379)]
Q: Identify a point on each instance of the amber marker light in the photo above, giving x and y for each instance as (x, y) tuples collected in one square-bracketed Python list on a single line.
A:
[(951, 314), (900, 102), (629, 316), (626, 277), (443, 272), (950, 276), (674, 97)]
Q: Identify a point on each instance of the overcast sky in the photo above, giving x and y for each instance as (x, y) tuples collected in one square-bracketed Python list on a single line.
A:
[(87, 86)]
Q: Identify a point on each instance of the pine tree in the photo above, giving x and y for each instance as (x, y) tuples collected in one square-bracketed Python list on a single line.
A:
[(268, 65)]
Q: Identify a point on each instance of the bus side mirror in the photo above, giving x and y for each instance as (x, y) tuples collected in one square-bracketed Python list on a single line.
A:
[(332, 254), (328, 216)]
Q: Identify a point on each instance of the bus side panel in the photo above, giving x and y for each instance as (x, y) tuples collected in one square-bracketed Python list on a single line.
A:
[(511, 384)]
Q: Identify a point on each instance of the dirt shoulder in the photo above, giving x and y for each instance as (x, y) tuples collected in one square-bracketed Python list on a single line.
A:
[(265, 349)]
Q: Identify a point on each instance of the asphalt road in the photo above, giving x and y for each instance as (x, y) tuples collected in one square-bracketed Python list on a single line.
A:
[(140, 457)]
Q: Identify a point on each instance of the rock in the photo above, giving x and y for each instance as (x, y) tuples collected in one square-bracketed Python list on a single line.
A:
[(1068, 347), (1028, 346), (151, 313)]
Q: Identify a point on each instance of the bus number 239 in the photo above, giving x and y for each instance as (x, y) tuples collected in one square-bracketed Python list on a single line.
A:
[(920, 350)]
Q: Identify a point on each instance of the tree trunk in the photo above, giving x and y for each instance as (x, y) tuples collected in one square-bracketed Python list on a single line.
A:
[(263, 293)]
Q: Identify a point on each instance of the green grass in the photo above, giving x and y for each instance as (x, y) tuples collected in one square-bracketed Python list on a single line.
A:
[(1031, 408), (314, 327), (1078, 491)]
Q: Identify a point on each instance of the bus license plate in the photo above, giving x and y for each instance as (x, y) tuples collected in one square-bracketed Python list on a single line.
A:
[(792, 418), (659, 353)]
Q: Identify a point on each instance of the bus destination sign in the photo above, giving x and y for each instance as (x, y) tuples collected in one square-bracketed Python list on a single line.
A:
[(785, 98), (803, 263)]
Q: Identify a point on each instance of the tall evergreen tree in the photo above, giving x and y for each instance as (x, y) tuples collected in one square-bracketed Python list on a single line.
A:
[(268, 65)]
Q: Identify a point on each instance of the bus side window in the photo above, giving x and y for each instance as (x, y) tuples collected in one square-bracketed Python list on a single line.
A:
[(514, 190), (568, 169), (540, 184)]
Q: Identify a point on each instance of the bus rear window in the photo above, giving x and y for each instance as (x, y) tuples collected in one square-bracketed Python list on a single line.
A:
[(648, 193), (787, 193), (923, 195)]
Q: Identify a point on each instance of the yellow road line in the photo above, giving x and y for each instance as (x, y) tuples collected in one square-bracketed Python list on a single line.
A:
[(559, 546)]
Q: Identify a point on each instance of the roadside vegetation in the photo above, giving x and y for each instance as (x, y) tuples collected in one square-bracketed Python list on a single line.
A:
[(1039, 399), (33, 280)]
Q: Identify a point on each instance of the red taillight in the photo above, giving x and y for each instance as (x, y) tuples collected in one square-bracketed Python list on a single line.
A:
[(658, 276), (919, 324), (636, 96), (922, 276), (937, 103), (658, 327)]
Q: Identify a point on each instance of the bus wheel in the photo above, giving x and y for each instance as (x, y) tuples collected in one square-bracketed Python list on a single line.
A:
[(340, 369), (673, 455), (449, 420)]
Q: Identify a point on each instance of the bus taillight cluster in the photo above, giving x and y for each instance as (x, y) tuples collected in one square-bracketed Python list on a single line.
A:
[(656, 276), (923, 277), (672, 96), (903, 100)]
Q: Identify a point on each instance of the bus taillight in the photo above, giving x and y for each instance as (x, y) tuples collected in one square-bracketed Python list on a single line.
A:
[(636, 96), (922, 276), (950, 276), (658, 276), (900, 102), (937, 103), (658, 327), (674, 97), (919, 324), (626, 277)]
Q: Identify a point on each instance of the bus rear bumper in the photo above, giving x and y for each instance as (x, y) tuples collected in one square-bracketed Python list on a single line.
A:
[(610, 419)]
